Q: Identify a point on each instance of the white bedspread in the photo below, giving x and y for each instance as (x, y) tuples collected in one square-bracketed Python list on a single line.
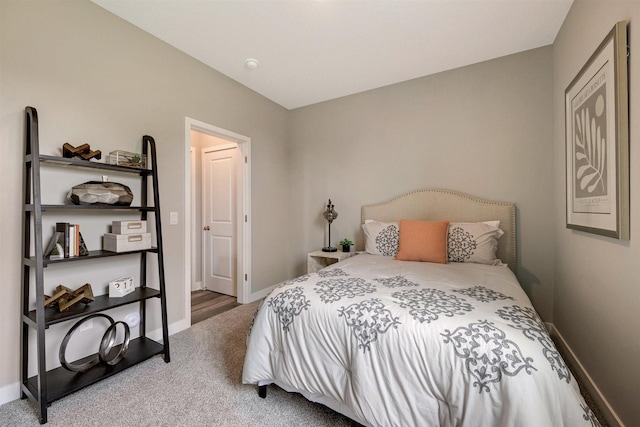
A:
[(414, 344)]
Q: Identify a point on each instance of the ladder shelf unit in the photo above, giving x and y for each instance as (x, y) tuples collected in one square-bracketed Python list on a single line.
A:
[(49, 385)]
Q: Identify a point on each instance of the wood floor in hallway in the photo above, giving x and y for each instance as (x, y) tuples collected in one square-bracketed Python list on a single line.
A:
[(206, 304)]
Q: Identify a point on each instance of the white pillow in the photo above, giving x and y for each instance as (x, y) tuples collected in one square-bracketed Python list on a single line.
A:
[(381, 238), (474, 242)]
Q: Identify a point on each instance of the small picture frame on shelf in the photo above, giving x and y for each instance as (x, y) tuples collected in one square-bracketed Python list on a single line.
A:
[(127, 158)]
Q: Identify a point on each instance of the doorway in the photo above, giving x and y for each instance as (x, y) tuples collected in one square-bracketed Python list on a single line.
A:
[(201, 137)]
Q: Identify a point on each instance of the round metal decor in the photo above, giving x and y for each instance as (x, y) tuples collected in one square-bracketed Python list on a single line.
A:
[(108, 341), (106, 344), (81, 367)]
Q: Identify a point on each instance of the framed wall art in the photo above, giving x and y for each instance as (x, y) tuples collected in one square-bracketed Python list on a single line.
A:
[(597, 141)]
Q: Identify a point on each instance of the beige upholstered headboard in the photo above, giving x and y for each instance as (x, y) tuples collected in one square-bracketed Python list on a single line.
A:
[(437, 204)]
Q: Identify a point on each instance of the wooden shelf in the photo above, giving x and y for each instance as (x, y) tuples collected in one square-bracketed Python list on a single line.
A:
[(61, 382), (101, 303)]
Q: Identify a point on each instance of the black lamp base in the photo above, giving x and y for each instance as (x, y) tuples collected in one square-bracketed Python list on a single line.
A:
[(329, 249)]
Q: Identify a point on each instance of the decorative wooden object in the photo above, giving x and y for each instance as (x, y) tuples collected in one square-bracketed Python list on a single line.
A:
[(61, 292), (66, 298), (81, 152)]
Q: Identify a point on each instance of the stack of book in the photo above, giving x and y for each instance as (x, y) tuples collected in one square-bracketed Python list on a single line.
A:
[(66, 242)]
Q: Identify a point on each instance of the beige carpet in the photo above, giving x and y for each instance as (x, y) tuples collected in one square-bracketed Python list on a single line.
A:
[(201, 386)]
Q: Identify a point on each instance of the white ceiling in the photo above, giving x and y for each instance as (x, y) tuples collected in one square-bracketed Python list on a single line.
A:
[(311, 51)]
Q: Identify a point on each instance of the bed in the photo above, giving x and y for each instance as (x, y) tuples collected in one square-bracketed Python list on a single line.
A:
[(429, 342)]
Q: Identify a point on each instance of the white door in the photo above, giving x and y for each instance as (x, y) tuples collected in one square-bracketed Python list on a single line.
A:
[(219, 216)]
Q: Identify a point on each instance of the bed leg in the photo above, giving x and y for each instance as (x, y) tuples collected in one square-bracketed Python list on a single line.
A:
[(262, 391)]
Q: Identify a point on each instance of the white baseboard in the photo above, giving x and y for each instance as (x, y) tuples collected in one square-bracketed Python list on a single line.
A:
[(176, 327), (196, 286), (9, 393), (255, 296), (603, 405)]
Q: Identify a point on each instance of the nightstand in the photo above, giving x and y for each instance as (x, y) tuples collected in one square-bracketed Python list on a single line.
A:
[(318, 259)]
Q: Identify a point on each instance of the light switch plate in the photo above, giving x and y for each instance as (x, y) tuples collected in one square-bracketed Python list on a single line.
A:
[(173, 218)]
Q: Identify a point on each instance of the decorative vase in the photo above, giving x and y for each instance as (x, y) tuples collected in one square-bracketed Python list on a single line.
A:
[(346, 248)]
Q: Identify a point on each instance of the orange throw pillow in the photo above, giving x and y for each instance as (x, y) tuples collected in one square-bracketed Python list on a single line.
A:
[(423, 241)]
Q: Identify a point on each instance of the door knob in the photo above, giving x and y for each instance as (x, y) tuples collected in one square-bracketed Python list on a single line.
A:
[(206, 227)]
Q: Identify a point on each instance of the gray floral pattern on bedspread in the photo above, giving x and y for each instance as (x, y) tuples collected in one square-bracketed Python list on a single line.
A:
[(300, 279), (395, 282), (482, 294), (288, 304), (427, 304), (487, 352), (335, 289), (590, 416), (528, 321), (336, 272), (367, 320)]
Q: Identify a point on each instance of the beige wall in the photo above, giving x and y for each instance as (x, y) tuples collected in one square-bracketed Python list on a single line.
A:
[(485, 129), (95, 78), (597, 290)]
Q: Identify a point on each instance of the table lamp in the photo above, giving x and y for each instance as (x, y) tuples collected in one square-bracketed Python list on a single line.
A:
[(330, 214)]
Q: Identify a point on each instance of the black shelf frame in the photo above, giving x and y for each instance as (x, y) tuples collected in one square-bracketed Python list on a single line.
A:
[(47, 386)]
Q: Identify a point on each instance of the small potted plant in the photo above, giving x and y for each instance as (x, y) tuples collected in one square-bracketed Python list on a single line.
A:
[(346, 245)]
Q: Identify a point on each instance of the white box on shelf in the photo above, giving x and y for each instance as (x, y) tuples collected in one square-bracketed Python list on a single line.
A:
[(128, 227), (120, 287), (126, 242)]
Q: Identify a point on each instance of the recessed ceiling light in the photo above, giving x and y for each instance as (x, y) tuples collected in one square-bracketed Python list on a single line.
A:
[(251, 63)]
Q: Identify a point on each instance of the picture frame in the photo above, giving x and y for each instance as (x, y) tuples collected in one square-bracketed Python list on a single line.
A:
[(597, 141)]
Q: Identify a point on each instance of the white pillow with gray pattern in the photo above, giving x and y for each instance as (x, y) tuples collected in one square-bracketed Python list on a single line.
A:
[(474, 242), (381, 238)]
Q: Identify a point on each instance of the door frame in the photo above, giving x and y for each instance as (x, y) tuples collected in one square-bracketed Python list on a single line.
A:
[(243, 208)]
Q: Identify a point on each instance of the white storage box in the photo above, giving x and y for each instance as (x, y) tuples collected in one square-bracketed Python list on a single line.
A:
[(129, 227), (126, 242)]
